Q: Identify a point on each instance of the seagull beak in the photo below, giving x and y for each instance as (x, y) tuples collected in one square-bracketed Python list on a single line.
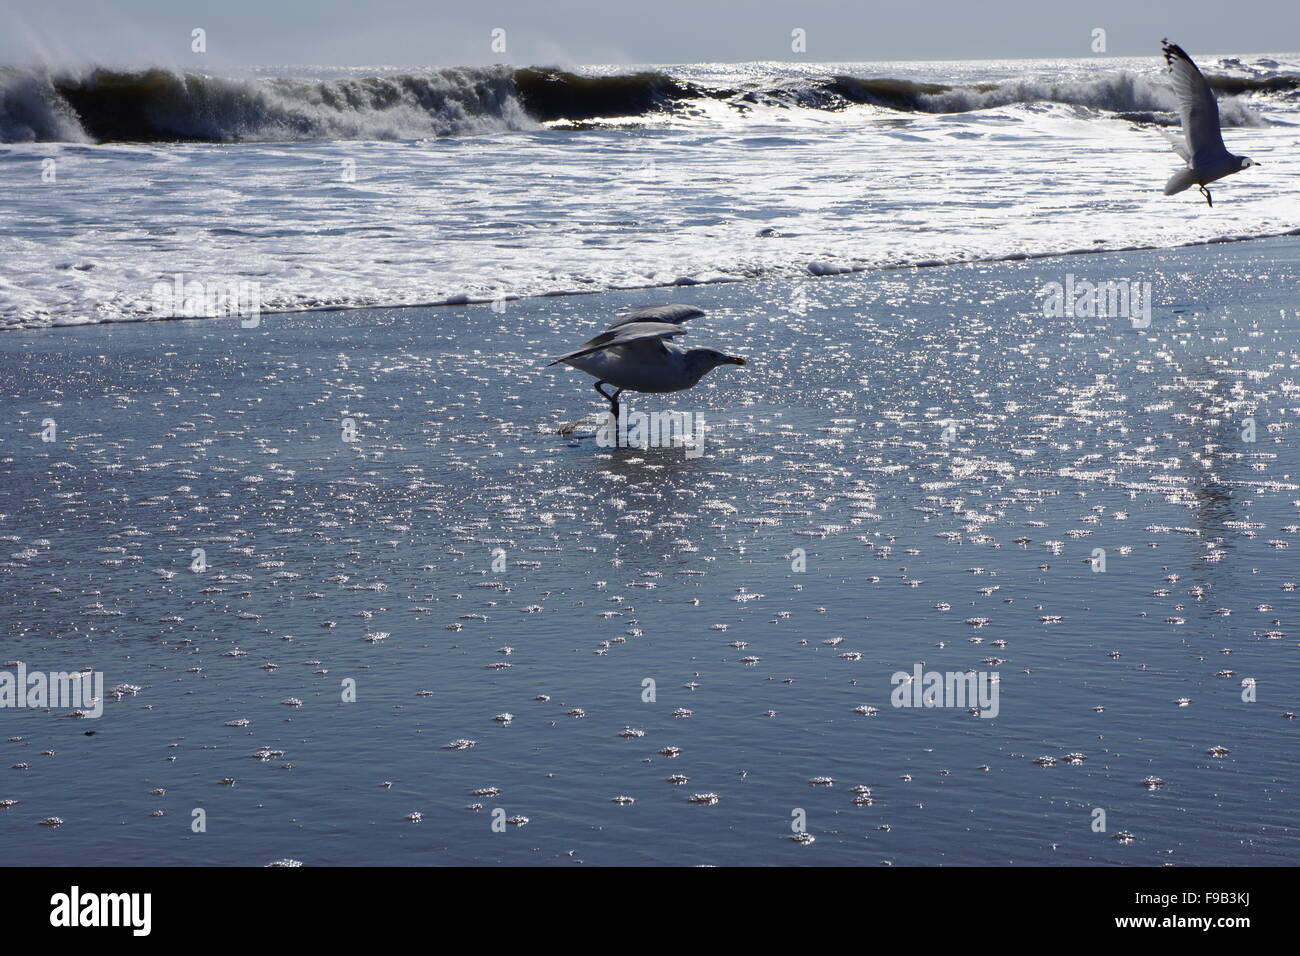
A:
[(737, 360)]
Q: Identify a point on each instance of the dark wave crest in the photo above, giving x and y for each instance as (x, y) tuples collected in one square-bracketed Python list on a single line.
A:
[(555, 94), (163, 106), (1123, 94)]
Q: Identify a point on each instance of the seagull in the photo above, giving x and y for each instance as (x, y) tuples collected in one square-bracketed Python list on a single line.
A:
[(1201, 144), (636, 354)]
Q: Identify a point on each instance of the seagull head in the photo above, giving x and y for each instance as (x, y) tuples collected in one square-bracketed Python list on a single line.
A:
[(705, 360)]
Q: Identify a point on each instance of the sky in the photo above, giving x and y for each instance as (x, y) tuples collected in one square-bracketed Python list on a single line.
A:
[(567, 32)]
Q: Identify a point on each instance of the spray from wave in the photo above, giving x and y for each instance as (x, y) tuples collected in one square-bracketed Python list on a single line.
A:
[(1115, 93), (162, 106)]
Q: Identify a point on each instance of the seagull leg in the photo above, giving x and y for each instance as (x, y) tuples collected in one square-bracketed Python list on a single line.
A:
[(1208, 199), (612, 399)]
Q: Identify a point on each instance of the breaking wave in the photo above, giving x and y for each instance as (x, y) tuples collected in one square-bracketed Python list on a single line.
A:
[(1116, 93), (159, 105)]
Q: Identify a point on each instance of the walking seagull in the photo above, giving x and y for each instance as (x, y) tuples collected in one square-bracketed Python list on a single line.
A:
[(636, 354), (1201, 144)]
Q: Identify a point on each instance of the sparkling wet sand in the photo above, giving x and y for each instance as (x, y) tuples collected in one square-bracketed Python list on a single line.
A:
[(946, 458)]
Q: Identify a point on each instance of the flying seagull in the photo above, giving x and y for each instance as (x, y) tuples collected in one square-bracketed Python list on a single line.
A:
[(1201, 144), (636, 354)]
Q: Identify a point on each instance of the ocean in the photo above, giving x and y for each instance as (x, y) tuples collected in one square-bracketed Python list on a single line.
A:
[(335, 188)]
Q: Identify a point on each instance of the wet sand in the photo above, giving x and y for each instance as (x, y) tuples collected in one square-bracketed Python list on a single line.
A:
[(946, 458)]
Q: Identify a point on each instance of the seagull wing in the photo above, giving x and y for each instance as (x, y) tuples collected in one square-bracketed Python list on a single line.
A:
[(625, 333), (1179, 145), (1196, 108), (674, 314)]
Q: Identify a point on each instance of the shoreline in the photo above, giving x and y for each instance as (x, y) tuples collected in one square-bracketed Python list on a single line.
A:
[(459, 300)]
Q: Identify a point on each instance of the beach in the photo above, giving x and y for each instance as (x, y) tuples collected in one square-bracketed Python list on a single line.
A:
[(342, 569)]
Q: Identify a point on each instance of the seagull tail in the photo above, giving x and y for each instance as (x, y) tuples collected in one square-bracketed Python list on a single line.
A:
[(1183, 179)]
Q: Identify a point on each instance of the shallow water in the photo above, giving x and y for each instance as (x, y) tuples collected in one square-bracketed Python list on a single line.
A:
[(622, 565)]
